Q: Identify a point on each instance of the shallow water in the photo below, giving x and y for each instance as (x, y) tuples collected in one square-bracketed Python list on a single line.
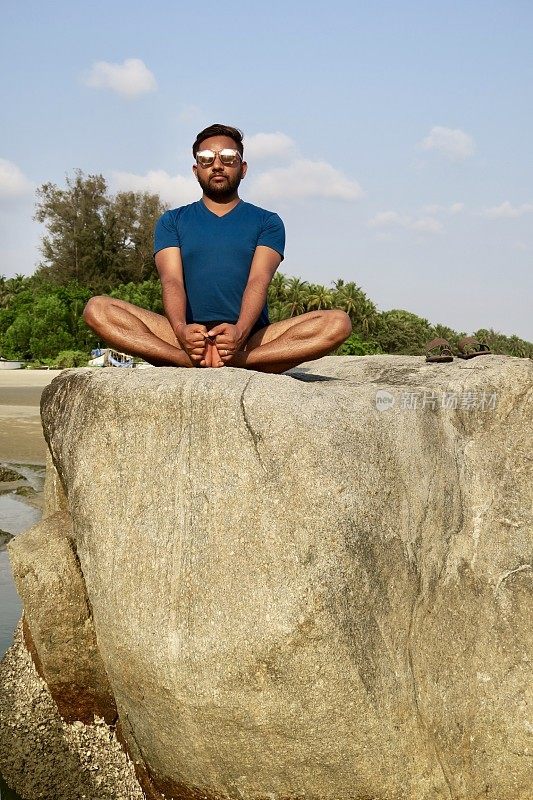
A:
[(15, 517), (34, 475)]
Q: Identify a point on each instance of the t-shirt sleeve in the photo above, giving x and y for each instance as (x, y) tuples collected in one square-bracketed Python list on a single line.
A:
[(166, 232), (273, 234)]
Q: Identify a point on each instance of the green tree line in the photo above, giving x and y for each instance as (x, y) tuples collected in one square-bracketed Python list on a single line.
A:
[(96, 243)]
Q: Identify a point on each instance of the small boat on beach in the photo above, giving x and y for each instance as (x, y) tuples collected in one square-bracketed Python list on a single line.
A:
[(110, 358), (7, 364)]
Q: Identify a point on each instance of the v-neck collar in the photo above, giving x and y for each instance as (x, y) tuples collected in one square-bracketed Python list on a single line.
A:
[(217, 216)]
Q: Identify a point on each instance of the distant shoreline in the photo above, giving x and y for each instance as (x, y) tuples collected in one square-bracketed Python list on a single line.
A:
[(21, 434)]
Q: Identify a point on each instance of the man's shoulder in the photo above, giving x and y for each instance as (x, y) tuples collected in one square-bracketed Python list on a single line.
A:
[(269, 227), (262, 213), (174, 214)]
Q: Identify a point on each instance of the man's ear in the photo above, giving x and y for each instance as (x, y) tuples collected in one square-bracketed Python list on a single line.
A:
[(195, 170), (244, 167)]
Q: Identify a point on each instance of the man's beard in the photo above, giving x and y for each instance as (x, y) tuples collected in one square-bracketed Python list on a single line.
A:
[(220, 191)]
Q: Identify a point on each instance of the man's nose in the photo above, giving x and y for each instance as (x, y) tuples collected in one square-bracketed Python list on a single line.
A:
[(220, 164)]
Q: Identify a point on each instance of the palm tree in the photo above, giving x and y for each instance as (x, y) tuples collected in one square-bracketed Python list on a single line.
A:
[(9, 287), (319, 297), (295, 297), (4, 292), (349, 297), (354, 301), (367, 316), (277, 287)]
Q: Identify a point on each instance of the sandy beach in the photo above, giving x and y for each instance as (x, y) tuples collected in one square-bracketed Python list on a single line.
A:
[(21, 435)]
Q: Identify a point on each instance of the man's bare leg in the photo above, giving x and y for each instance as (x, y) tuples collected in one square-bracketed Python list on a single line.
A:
[(279, 347), (283, 345), (136, 331)]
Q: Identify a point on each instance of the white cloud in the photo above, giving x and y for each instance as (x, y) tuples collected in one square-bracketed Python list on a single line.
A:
[(454, 143), (177, 190), (386, 219), (304, 178), (426, 225), (391, 219), (507, 211), (13, 182), (456, 208), (268, 145), (131, 78), (435, 208)]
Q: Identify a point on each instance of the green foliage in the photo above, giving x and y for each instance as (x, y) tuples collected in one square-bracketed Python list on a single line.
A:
[(146, 294), (400, 331), (355, 346), (15, 341), (49, 327), (359, 308), (69, 358), (42, 319), (506, 345), (295, 295)]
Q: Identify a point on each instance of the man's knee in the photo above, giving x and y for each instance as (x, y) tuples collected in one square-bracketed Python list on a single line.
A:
[(95, 310), (340, 325)]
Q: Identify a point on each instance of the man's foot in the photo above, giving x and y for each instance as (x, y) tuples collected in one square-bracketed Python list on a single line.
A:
[(212, 356)]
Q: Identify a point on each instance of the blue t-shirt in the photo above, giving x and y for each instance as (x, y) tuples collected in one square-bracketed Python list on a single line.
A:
[(217, 254)]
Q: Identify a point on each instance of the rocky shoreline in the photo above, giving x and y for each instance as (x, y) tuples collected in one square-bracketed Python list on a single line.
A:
[(24, 482), (74, 762)]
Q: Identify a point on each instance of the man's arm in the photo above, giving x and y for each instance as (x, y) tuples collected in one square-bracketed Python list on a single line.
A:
[(170, 269), (264, 264)]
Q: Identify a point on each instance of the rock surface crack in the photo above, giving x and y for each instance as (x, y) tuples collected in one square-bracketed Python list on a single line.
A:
[(417, 602), (253, 435), (421, 723)]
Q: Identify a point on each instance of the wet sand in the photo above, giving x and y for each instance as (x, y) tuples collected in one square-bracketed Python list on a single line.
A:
[(21, 434)]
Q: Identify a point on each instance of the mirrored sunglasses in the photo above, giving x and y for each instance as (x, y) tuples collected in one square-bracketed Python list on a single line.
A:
[(228, 157)]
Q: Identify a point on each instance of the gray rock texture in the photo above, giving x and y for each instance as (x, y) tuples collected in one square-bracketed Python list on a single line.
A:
[(54, 498), (315, 585)]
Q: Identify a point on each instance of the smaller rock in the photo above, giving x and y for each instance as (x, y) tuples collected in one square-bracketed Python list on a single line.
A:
[(5, 538), (26, 490), (7, 474), (58, 625)]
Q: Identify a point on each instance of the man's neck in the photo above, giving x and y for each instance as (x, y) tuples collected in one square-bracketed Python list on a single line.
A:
[(221, 207)]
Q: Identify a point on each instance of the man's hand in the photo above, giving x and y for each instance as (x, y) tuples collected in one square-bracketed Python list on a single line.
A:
[(213, 348), (229, 339), (193, 340)]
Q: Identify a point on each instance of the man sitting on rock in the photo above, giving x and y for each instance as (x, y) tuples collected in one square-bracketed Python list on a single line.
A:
[(216, 258)]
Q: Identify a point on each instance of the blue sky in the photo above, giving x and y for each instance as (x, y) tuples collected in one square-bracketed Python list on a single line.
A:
[(392, 137)]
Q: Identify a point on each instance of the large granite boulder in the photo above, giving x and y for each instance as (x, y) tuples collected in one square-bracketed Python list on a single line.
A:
[(312, 585)]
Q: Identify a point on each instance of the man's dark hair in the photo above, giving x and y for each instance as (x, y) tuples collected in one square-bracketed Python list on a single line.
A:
[(219, 130)]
